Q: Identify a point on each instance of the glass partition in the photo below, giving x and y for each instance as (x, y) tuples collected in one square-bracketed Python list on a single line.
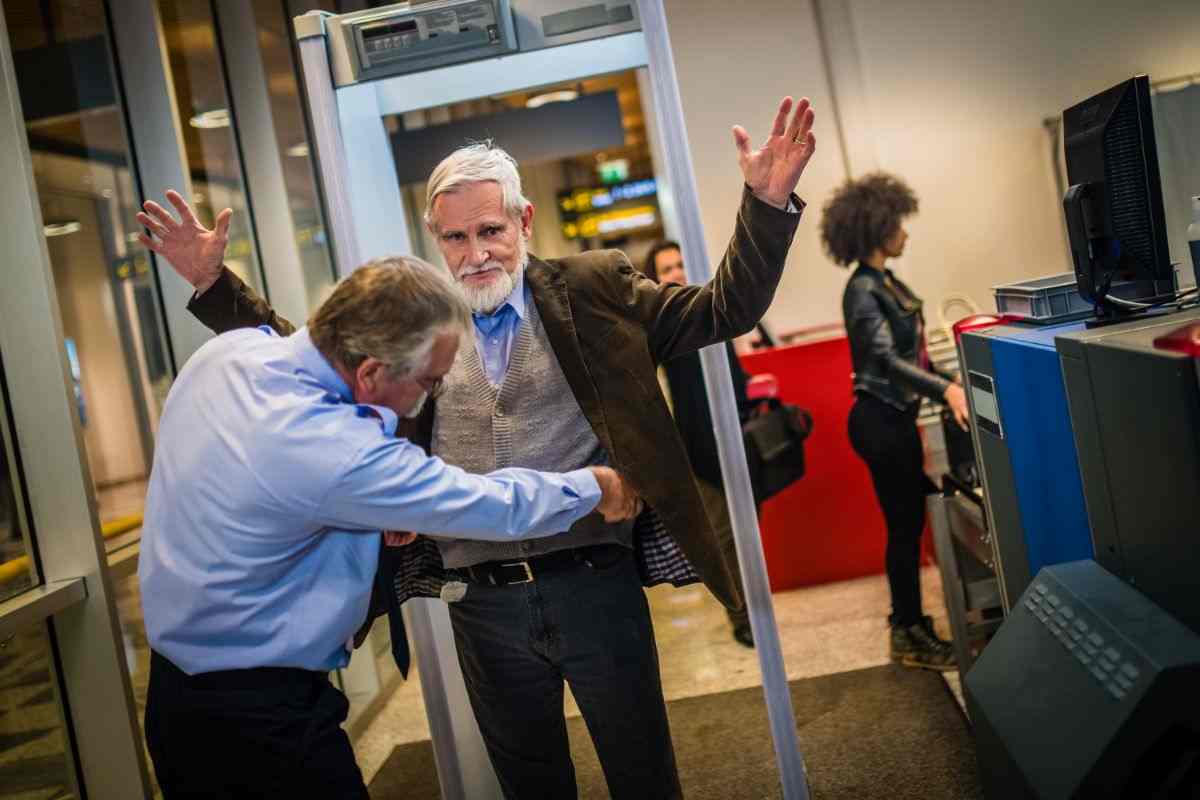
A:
[(107, 297)]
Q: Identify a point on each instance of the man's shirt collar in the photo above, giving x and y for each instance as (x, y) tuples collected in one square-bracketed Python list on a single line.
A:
[(327, 378)]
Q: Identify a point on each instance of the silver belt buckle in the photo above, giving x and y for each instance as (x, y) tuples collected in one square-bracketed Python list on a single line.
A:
[(523, 564)]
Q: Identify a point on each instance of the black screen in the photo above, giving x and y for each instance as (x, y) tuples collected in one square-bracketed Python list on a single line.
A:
[(1110, 152)]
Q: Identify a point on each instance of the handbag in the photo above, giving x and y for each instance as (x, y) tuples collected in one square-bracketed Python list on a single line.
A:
[(774, 441)]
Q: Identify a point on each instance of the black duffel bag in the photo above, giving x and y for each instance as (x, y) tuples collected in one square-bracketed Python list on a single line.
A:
[(774, 441)]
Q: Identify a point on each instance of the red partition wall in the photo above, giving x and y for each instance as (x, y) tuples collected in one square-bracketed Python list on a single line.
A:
[(827, 526)]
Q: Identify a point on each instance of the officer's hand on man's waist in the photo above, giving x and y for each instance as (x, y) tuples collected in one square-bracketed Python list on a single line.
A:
[(618, 500), (398, 538)]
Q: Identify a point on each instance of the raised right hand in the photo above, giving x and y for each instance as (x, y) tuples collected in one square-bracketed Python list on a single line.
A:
[(194, 251), (618, 500), (773, 170)]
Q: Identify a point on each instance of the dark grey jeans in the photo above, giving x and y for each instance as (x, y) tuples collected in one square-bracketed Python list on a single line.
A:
[(586, 625)]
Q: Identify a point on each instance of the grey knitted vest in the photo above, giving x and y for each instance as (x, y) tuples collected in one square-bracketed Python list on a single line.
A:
[(531, 420)]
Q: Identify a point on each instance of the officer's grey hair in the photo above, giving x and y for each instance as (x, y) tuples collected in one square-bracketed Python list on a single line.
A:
[(392, 309)]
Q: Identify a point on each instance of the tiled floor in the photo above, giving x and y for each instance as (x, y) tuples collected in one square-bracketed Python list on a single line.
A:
[(823, 629)]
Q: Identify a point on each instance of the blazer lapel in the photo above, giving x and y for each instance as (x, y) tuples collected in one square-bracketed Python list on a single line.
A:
[(549, 290)]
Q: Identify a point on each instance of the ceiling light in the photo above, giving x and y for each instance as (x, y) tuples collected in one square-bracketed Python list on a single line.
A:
[(298, 150), (217, 118), (557, 96), (64, 228)]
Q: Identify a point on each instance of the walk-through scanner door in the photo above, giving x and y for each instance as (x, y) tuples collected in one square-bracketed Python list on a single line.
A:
[(362, 67)]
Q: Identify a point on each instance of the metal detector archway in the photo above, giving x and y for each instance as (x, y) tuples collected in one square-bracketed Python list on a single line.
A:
[(350, 89)]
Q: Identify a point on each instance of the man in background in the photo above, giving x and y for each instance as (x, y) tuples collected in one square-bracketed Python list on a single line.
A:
[(682, 381)]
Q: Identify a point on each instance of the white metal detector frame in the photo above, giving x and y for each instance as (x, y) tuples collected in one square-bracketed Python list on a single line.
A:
[(352, 150)]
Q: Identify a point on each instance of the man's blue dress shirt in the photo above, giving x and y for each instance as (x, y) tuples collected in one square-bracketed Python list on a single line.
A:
[(268, 492), (496, 332)]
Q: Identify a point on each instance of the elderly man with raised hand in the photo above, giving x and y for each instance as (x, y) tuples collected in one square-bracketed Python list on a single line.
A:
[(276, 467), (563, 374)]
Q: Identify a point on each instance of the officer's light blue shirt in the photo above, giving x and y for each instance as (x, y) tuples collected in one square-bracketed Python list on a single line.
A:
[(268, 492), (495, 332)]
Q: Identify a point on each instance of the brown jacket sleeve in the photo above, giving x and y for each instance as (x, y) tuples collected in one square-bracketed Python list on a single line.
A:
[(680, 319), (230, 304)]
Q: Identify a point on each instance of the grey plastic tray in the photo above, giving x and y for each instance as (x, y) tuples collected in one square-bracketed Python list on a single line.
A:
[(1053, 298)]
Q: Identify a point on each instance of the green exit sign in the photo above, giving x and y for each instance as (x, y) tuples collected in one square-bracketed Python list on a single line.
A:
[(613, 171)]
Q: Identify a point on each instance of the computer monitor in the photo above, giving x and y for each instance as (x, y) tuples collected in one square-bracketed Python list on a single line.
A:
[(1114, 207)]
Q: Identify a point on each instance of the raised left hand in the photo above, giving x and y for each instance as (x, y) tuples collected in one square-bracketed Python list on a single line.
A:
[(193, 250), (773, 170)]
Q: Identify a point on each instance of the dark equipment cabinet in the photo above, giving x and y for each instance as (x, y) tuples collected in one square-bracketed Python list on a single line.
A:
[(1135, 410), (1088, 691)]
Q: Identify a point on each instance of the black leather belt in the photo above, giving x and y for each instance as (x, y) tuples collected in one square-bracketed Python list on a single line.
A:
[(507, 573)]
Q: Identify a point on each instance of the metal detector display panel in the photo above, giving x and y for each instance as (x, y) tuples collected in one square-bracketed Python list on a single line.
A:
[(401, 39)]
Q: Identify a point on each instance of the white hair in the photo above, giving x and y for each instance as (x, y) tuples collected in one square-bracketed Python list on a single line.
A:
[(477, 163)]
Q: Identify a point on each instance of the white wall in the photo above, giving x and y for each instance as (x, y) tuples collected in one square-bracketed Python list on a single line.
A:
[(735, 61), (949, 94)]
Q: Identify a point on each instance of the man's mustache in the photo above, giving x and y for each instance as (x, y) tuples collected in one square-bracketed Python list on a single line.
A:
[(488, 267)]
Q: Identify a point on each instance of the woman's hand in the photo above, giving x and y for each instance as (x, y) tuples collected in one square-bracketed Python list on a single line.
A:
[(956, 400)]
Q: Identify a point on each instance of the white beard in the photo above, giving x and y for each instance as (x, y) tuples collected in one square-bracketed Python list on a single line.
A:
[(486, 299)]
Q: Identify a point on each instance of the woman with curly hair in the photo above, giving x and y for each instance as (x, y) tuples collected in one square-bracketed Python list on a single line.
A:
[(863, 226)]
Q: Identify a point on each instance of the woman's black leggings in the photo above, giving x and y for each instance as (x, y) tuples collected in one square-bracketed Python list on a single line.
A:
[(886, 438)]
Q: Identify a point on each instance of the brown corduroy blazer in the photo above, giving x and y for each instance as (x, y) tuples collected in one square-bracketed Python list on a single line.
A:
[(610, 327)]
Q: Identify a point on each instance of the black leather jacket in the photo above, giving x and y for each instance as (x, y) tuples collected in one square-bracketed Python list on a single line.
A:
[(887, 337)]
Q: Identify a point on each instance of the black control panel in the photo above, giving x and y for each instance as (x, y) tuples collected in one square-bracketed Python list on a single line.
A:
[(1091, 641), (1086, 692)]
